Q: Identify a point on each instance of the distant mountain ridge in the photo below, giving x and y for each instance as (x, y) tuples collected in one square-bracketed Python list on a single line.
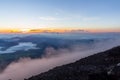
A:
[(101, 66)]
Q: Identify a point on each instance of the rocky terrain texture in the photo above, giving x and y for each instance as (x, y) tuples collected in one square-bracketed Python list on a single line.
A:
[(101, 66)]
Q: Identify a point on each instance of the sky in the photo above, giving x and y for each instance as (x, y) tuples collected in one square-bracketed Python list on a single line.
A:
[(93, 15)]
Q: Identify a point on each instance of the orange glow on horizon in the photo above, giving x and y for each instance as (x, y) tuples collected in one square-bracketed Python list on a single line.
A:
[(52, 30), (104, 30), (35, 30)]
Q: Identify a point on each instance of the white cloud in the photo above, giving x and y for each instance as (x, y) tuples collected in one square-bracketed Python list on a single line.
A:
[(69, 17), (21, 46), (48, 18), (54, 18)]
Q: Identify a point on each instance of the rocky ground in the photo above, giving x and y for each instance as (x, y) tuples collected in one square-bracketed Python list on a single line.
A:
[(101, 66)]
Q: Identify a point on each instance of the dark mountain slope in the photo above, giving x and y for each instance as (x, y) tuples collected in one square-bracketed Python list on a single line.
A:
[(101, 66)]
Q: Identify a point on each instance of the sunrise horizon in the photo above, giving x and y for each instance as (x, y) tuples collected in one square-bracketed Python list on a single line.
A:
[(54, 30), (59, 15)]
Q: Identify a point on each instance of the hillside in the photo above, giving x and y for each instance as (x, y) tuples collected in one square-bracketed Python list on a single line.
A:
[(101, 66)]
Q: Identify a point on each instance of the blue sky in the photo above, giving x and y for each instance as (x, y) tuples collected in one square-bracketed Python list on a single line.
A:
[(82, 14)]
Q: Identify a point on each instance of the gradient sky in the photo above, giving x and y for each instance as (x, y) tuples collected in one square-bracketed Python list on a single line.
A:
[(80, 14)]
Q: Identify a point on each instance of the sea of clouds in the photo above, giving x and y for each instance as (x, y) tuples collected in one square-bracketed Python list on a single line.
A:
[(27, 67)]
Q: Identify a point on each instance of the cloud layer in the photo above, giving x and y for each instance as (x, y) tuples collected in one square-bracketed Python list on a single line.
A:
[(27, 67)]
